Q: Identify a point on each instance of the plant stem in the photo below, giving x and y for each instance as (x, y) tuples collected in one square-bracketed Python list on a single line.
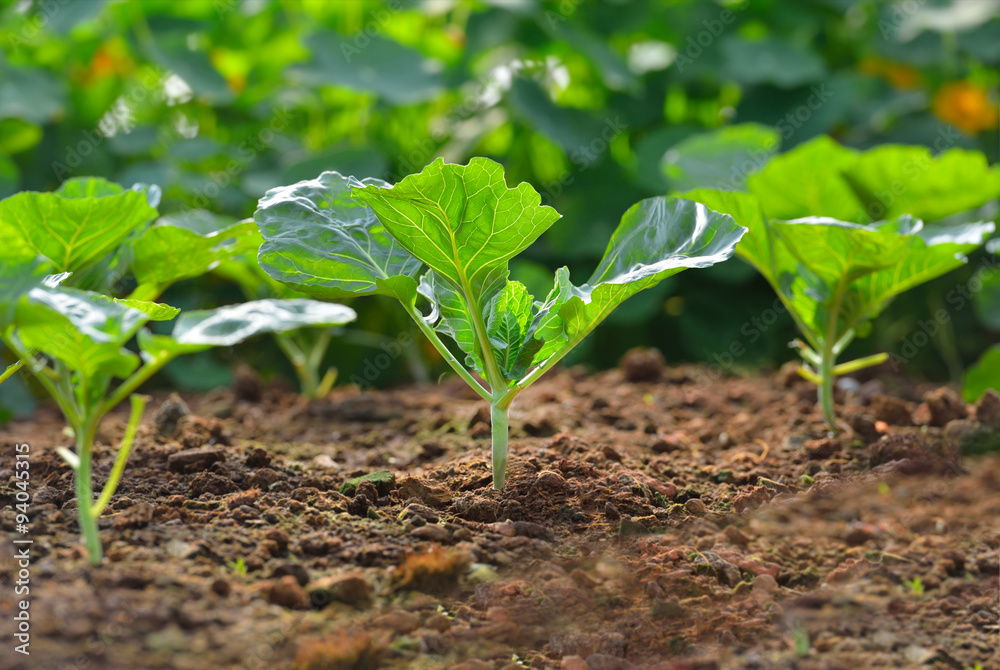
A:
[(859, 364), (85, 435), (11, 369), (448, 356), (825, 389), (138, 405), (307, 376), (499, 420)]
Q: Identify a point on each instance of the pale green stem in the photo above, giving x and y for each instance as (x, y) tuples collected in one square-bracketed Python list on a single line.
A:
[(138, 405), (860, 364), (809, 375), (85, 435), (126, 388), (55, 385), (448, 356), (325, 384), (499, 420), (307, 377), (828, 358), (11, 370), (826, 376)]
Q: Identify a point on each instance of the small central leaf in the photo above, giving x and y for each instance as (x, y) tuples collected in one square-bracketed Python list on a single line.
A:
[(463, 221)]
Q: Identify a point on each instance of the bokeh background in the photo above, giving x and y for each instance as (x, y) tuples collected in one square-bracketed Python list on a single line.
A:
[(597, 103)]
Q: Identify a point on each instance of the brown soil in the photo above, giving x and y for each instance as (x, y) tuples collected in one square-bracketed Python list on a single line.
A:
[(667, 522)]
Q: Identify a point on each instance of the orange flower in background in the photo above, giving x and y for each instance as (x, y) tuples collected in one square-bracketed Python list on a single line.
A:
[(902, 76), (111, 58), (899, 76), (966, 106)]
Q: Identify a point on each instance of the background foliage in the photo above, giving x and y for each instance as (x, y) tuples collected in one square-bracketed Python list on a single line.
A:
[(596, 103)]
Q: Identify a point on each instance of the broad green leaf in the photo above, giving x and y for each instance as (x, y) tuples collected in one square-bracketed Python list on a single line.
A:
[(320, 240), (30, 93), (837, 251), (451, 316), (226, 326), (657, 238), (570, 128), (984, 374), (76, 226), (394, 72), (176, 249), (892, 180), (462, 221), (925, 258), (757, 246), (721, 159), (156, 311), (806, 182), (771, 61), (84, 330)]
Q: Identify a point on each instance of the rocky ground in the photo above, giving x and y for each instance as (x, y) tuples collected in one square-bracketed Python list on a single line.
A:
[(654, 518)]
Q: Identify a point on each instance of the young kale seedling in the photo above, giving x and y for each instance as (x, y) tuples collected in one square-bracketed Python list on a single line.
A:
[(835, 277), (73, 342), (447, 234), (192, 243)]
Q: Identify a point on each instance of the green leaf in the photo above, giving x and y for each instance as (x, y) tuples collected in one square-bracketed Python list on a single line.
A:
[(570, 128), (30, 93), (892, 180), (757, 246), (771, 61), (925, 258), (984, 374), (657, 238), (320, 240), (823, 268), (194, 67), (178, 248), (75, 226), (841, 252), (154, 310), (84, 330), (806, 182), (226, 326), (462, 221), (721, 159), (395, 73), (509, 315)]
